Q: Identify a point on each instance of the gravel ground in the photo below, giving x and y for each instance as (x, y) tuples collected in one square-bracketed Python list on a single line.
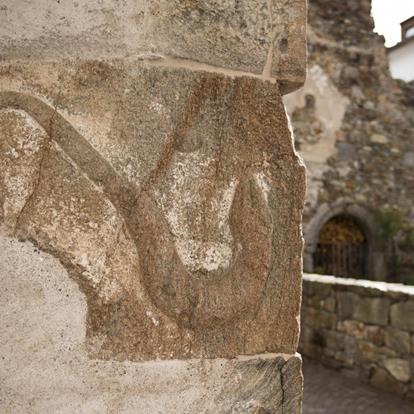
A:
[(329, 392)]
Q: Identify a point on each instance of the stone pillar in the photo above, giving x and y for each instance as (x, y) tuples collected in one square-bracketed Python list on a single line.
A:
[(150, 206)]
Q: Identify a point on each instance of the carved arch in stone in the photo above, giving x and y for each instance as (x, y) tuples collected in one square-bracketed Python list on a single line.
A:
[(366, 220)]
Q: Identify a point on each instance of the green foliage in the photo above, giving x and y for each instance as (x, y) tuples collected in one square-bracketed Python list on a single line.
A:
[(409, 239), (391, 221), (398, 232), (409, 281), (318, 270)]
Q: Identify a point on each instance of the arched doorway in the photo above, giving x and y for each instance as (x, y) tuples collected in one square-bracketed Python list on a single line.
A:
[(342, 248), (374, 265)]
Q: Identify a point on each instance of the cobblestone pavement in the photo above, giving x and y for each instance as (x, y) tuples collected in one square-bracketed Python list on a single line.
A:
[(328, 392)]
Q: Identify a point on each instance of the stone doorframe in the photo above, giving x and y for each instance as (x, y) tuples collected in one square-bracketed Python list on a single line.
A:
[(376, 264)]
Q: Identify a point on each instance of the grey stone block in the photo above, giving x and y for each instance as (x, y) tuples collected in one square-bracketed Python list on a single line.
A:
[(346, 304), (372, 310), (46, 367), (398, 340), (402, 315)]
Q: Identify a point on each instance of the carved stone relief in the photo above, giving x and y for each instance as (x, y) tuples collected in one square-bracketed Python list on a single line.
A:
[(183, 260)]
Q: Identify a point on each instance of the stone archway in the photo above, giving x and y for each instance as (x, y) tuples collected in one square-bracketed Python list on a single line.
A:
[(342, 248), (374, 261)]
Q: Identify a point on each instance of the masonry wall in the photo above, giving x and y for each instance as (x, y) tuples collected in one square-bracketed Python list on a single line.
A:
[(362, 328), (354, 128)]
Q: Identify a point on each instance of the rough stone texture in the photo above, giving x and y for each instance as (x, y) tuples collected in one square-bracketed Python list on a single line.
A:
[(263, 37), (398, 340), (346, 304), (354, 128), (370, 333), (145, 146), (373, 311), (399, 369), (402, 315), (45, 366), (158, 224)]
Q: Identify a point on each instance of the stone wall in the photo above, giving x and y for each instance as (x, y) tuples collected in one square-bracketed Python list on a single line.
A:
[(362, 328), (147, 160), (354, 128)]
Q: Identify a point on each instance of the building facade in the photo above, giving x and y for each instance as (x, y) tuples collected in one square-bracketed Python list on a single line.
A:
[(353, 127), (401, 56)]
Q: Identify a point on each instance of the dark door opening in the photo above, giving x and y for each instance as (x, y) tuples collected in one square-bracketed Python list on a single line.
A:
[(342, 249)]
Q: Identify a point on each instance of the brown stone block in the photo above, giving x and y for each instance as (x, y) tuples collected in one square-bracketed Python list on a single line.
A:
[(375, 334), (369, 352), (173, 198), (382, 379), (352, 328)]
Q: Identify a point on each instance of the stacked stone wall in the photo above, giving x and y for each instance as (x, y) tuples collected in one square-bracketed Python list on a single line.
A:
[(362, 328), (354, 128)]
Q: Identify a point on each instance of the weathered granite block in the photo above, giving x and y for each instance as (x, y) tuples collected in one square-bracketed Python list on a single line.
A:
[(352, 328), (401, 315), (145, 146), (398, 340), (334, 340), (375, 334), (398, 368), (374, 311), (264, 37), (382, 379), (319, 319), (329, 304), (176, 209), (45, 365), (346, 304), (367, 351)]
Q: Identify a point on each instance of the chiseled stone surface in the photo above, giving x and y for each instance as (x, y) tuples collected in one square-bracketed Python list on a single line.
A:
[(369, 334), (144, 146), (262, 37), (176, 209), (45, 366)]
